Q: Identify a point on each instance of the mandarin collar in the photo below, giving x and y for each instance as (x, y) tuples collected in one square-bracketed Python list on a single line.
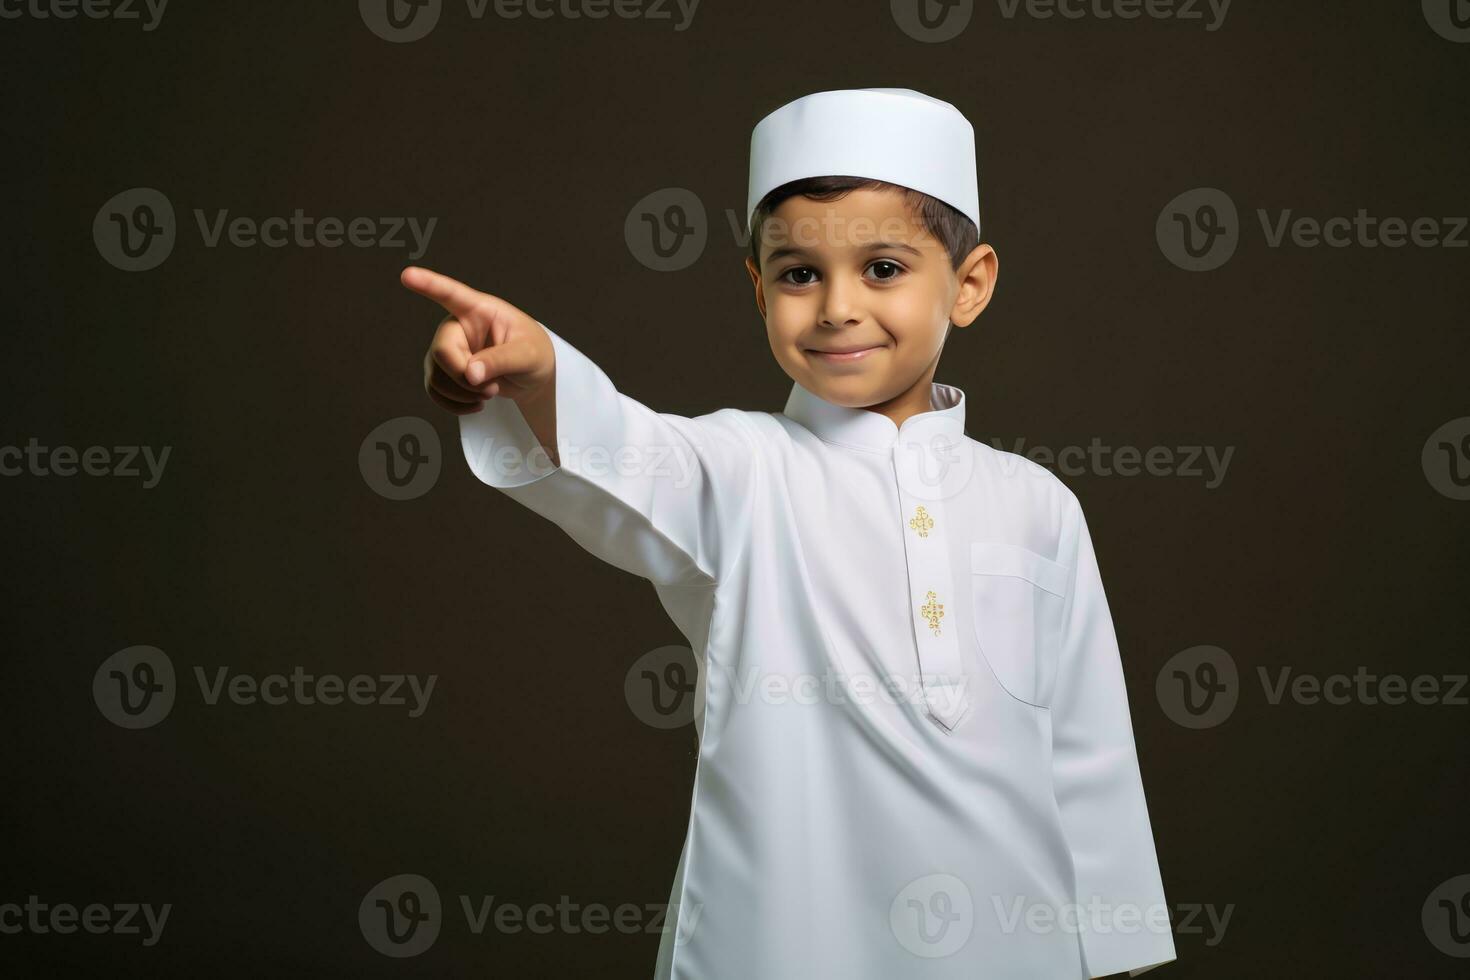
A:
[(861, 428)]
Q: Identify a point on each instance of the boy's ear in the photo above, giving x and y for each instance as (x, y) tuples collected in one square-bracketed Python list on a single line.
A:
[(755, 278), (976, 276)]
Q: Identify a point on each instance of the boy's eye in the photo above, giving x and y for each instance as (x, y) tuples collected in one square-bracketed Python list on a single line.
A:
[(891, 271)]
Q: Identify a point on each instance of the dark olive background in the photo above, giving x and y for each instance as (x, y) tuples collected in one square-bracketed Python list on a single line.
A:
[(1323, 828)]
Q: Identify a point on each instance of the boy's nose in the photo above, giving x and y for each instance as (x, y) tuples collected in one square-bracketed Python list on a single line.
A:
[(838, 307)]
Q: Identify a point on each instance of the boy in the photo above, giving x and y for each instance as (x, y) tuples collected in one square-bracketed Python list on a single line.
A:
[(916, 758)]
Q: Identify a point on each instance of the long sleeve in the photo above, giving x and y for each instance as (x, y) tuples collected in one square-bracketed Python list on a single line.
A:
[(654, 494), (1099, 791)]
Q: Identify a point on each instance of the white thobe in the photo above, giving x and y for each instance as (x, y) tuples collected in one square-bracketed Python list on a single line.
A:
[(916, 758)]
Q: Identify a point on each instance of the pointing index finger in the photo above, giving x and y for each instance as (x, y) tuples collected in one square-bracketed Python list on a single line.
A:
[(451, 294)]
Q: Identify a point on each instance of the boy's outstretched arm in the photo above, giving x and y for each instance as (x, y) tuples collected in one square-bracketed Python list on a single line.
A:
[(651, 493)]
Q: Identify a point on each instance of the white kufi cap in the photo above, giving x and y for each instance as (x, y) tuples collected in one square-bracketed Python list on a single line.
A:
[(891, 134)]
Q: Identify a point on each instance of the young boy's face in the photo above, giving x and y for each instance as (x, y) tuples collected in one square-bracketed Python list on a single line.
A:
[(858, 297)]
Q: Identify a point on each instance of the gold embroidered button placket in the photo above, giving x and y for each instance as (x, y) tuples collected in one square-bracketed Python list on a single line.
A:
[(924, 448)]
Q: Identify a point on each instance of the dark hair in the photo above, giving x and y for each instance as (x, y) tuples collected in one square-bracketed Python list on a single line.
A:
[(956, 232)]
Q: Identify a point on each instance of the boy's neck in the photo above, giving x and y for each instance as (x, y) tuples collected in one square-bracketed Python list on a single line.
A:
[(919, 398)]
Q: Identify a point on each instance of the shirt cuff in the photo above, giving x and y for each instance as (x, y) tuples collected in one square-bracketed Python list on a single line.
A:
[(499, 445)]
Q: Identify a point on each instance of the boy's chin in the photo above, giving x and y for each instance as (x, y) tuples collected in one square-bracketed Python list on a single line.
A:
[(846, 390)]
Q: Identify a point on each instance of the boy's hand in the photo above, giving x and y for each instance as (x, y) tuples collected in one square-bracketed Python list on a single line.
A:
[(485, 347)]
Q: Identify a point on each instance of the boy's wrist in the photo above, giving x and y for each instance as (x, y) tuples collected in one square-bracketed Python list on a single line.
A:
[(538, 408)]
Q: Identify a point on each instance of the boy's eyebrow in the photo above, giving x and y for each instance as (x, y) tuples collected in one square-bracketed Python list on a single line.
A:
[(870, 247)]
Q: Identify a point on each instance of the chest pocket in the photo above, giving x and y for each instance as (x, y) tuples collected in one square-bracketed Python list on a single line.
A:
[(1016, 604)]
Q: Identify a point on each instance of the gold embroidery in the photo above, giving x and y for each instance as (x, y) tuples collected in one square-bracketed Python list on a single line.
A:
[(922, 522), (932, 611)]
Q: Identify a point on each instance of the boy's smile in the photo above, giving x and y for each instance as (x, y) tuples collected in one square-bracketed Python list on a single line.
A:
[(858, 297)]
